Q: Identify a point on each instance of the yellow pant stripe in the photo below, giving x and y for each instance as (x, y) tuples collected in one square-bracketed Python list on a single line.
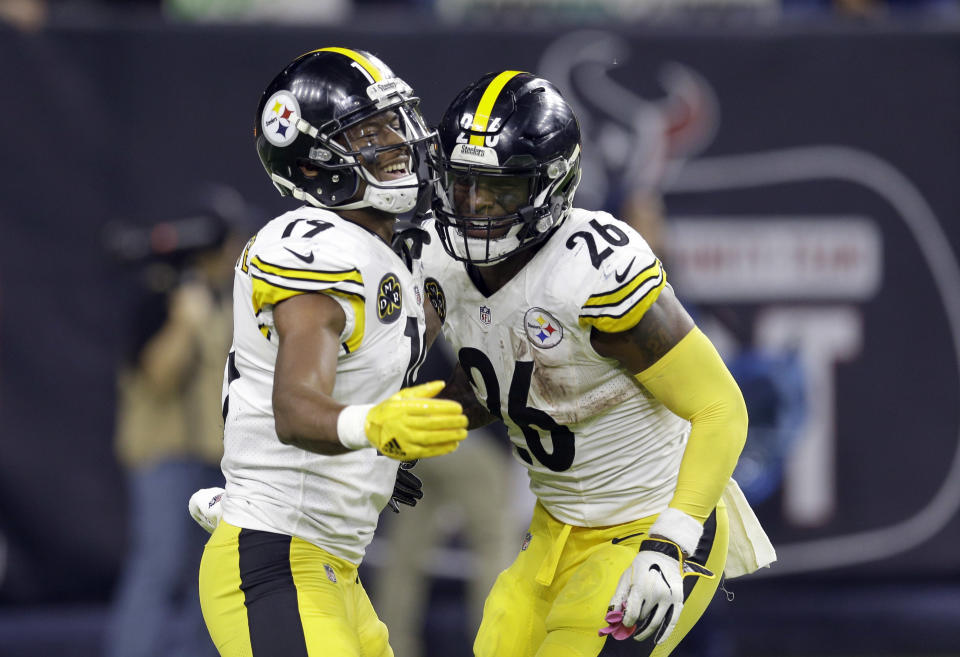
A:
[(221, 599)]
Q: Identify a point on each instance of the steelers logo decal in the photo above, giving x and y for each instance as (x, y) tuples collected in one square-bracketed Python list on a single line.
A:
[(543, 329), (437, 299), (279, 119), (389, 299)]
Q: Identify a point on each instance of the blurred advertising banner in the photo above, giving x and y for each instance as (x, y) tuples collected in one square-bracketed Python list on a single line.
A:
[(808, 186)]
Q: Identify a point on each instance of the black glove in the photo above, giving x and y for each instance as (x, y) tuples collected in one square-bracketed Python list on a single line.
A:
[(408, 488)]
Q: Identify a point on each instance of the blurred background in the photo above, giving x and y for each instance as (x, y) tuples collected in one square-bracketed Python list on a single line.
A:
[(795, 163)]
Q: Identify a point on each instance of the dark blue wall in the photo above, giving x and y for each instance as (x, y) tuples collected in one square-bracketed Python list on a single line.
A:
[(130, 124)]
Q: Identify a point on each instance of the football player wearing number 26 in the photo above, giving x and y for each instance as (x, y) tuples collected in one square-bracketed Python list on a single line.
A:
[(329, 326), (629, 424)]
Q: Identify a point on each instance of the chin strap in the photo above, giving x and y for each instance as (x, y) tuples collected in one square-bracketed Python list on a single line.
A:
[(396, 197), (282, 184), (408, 241)]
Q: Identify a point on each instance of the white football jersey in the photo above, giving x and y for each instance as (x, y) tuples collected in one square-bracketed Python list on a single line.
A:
[(599, 449), (330, 501)]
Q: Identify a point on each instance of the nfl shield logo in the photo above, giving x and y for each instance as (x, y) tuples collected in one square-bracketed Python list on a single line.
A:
[(332, 576), (526, 541), (485, 315)]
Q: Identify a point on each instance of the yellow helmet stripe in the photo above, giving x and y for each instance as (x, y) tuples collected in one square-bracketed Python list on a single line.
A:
[(482, 116), (358, 58)]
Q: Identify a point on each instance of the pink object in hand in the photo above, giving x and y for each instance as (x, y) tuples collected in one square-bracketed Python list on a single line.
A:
[(616, 628)]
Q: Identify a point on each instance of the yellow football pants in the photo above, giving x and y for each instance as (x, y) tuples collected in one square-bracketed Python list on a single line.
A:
[(270, 595), (552, 600)]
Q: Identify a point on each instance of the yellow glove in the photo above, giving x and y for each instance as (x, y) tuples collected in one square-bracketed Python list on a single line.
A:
[(408, 425)]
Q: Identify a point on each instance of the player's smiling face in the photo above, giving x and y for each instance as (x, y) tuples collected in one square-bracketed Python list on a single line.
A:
[(383, 130), (488, 197)]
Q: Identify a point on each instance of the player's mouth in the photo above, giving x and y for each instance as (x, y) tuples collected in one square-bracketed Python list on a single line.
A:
[(398, 168), (483, 229)]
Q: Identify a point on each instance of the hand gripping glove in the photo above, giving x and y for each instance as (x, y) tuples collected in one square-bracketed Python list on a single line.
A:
[(649, 597), (205, 507), (408, 488), (406, 426)]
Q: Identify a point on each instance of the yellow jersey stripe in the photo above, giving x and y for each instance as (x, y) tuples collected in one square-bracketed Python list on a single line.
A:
[(616, 296), (629, 318), (355, 339), (246, 253), (482, 116), (336, 276), (358, 58), (267, 293)]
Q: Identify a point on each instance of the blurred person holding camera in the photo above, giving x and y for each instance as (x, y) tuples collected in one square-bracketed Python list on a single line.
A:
[(169, 431)]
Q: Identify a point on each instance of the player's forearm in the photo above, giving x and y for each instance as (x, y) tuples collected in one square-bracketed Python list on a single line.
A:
[(459, 390), (477, 416), (307, 419), (693, 382), (305, 373), (434, 325)]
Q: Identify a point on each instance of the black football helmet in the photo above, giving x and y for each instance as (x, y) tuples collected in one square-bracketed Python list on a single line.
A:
[(507, 168), (304, 122)]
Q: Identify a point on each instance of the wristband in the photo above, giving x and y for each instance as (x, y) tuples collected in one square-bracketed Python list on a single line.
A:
[(351, 426), (672, 550), (663, 546), (678, 527)]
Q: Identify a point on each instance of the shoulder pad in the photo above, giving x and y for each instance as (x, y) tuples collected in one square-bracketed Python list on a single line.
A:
[(628, 276)]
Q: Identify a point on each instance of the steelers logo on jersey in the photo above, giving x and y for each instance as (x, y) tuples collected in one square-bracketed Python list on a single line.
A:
[(437, 299), (389, 299), (543, 329)]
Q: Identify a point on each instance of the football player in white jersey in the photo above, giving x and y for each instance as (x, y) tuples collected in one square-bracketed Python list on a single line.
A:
[(625, 416), (328, 328)]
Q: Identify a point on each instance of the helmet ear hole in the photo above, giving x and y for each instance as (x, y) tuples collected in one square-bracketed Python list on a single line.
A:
[(337, 187), (308, 169)]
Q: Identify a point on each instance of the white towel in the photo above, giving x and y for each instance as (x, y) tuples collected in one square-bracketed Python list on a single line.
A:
[(750, 549)]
